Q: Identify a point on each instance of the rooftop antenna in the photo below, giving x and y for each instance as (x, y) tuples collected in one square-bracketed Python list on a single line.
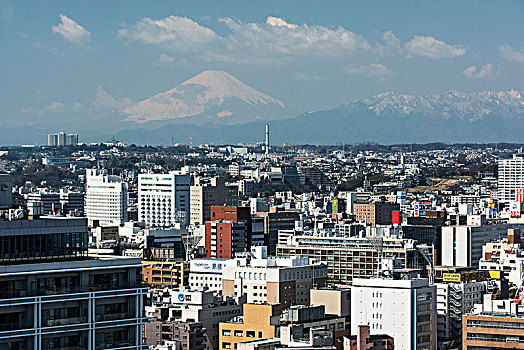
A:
[(190, 243), (428, 256)]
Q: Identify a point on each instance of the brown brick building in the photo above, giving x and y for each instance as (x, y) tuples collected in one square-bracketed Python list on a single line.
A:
[(379, 213), (228, 232)]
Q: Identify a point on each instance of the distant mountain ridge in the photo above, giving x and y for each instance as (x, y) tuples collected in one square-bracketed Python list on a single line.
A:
[(389, 117), (211, 96), (471, 106)]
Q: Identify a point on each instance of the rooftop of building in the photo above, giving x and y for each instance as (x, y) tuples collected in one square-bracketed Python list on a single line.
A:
[(92, 262)]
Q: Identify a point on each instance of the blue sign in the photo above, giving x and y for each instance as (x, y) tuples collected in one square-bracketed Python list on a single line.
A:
[(181, 297)]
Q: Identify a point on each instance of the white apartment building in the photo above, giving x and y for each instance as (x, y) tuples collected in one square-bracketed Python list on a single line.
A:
[(163, 199), (462, 245), (106, 198), (453, 301), (403, 309), (510, 177), (273, 280)]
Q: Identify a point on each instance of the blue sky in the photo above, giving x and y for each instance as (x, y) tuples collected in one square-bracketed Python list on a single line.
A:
[(77, 61)]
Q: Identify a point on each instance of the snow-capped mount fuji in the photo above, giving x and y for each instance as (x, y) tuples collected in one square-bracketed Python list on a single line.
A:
[(209, 97)]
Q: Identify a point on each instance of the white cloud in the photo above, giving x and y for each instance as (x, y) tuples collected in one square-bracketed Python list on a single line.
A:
[(373, 69), (26, 110), (484, 72), (172, 30), (511, 54), (391, 44), (275, 41), (104, 100), (279, 22), (77, 106), (278, 38), (166, 59), (71, 31), (55, 107), (430, 47)]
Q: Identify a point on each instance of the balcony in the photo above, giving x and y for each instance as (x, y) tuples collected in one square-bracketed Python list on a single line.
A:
[(115, 344), (14, 326), (115, 316), (64, 321), (7, 294)]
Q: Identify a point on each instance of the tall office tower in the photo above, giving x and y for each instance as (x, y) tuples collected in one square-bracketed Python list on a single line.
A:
[(163, 199), (403, 309), (61, 136), (511, 177), (205, 194), (54, 296), (52, 140), (106, 198)]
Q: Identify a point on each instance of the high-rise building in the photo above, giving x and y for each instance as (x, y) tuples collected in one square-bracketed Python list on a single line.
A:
[(403, 309), (106, 198), (54, 296), (52, 140), (204, 195), (62, 139), (163, 199), (510, 177), (462, 245)]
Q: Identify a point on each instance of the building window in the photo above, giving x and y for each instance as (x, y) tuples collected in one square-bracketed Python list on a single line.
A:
[(239, 333), (250, 334), (226, 345), (226, 332)]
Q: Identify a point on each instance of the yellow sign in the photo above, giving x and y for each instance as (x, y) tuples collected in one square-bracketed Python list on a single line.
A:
[(471, 276)]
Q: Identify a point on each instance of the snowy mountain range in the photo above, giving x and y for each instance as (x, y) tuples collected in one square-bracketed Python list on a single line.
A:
[(470, 106), (490, 116), (211, 96)]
